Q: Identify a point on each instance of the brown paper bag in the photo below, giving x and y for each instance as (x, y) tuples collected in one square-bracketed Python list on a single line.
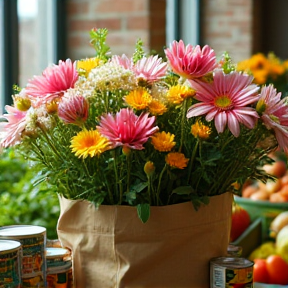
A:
[(112, 248)]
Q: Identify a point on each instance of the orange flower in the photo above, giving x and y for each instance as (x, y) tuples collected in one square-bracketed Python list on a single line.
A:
[(163, 141), (199, 130), (176, 160), (178, 93), (138, 99)]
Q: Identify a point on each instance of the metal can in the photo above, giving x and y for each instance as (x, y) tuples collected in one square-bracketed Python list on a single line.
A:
[(234, 251), (59, 268), (228, 272), (10, 264), (33, 241)]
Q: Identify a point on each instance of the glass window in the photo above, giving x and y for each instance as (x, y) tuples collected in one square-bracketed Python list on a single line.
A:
[(183, 21), (29, 35), (36, 40), (1, 55)]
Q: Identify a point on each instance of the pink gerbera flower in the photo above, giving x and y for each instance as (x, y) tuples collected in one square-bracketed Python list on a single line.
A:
[(150, 69), (15, 126), (127, 129), (73, 109), (53, 82), (190, 62), (225, 100), (274, 113), (123, 61)]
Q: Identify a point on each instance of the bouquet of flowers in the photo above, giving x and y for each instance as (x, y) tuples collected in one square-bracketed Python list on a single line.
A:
[(144, 130), (267, 69)]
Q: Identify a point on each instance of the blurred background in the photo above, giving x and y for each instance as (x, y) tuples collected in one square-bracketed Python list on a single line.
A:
[(37, 33)]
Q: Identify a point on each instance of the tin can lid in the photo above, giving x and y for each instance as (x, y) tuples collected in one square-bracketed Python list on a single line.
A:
[(9, 245), (53, 252), (21, 230)]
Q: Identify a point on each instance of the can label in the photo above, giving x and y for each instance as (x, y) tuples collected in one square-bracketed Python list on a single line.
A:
[(231, 272), (33, 241), (10, 275)]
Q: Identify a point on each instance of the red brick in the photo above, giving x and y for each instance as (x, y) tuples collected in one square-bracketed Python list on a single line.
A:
[(137, 22), (76, 8), (119, 6), (87, 25)]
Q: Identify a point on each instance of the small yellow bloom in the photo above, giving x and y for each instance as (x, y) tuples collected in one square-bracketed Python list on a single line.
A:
[(52, 106), (149, 168), (89, 143), (199, 130), (177, 94), (176, 160), (162, 141), (22, 104), (157, 107), (138, 99), (88, 64)]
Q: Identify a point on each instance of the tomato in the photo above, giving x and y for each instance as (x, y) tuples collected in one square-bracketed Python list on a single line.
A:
[(260, 273), (240, 222), (277, 269)]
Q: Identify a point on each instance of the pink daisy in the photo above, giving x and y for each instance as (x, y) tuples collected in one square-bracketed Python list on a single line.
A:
[(226, 100), (73, 109), (190, 62), (150, 69), (123, 61), (53, 82), (15, 126), (127, 129), (274, 114)]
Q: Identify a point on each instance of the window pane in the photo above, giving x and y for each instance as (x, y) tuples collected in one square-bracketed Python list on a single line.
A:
[(1, 56), (36, 40)]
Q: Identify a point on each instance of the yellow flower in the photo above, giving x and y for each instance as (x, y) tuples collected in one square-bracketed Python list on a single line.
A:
[(177, 94), (89, 143), (149, 168), (22, 104), (138, 99), (176, 160), (199, 130), (163, 141), (157, 108), (88, 64)]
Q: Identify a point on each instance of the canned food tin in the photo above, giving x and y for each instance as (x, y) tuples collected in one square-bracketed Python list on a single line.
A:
[(234, 251), (10, 264), (33, 240), (228, 272), (59, 268)]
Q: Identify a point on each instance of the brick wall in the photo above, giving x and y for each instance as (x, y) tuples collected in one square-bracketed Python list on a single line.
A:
[(227, 26), (126, 20)]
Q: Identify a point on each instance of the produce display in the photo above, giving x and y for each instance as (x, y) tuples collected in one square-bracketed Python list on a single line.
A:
[(275, 191), (271, 258)]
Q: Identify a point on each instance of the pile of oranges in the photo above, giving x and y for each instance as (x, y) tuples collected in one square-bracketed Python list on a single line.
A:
[(273, 191)]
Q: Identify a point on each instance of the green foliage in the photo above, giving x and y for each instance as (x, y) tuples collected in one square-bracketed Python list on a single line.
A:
[(21, 202), (98, 40)]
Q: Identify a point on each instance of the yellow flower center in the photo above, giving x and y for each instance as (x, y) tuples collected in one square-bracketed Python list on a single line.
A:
[(223, 102)]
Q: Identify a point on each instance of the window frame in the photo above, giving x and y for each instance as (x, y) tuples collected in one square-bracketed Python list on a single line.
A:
[(10, 43)]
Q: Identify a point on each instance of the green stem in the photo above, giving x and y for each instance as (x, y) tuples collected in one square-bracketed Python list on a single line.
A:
[(159, 185), (149, 189), (182, 126), (116, 174), (192, 160), (51, 144)]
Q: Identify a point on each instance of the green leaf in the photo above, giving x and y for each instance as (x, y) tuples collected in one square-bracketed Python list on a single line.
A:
[(183, 190), (139, 187), (143, 211)]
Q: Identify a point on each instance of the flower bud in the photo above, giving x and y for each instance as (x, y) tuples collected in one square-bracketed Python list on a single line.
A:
[(126, 150), (149, 168), (22, 104)]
